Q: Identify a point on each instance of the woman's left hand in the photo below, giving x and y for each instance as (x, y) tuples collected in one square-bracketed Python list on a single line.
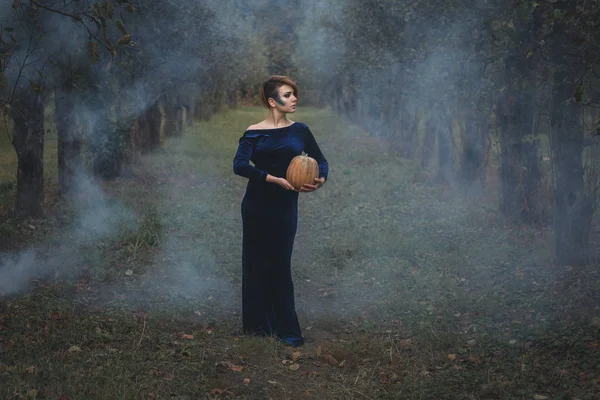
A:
[(307, 187)]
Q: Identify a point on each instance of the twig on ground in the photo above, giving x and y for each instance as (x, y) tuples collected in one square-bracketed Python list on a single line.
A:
[(141, 336)]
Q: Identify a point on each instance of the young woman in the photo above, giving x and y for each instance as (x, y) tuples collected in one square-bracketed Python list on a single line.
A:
[(270, 212)]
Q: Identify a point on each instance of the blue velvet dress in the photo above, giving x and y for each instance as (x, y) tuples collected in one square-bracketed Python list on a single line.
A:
[(270, 216)]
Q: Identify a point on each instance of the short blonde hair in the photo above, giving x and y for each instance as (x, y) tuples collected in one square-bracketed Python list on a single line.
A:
[(269, 88)]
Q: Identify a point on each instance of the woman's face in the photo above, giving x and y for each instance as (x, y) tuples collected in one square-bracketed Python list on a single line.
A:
[(286, 101)]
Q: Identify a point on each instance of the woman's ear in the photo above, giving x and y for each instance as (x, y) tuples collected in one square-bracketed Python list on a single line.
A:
[(272, 102)]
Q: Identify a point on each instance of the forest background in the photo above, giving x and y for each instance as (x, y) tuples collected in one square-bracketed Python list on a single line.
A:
[(479, 119)]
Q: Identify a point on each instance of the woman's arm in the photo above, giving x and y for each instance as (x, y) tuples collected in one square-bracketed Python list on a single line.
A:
[(242, 166), (241, 161), (312, 149)]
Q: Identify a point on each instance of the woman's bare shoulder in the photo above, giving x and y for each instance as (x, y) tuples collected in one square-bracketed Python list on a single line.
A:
[(259, 125), (265, 125)]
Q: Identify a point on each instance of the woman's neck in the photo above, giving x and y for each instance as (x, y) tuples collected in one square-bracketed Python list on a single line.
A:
[(277, 119)]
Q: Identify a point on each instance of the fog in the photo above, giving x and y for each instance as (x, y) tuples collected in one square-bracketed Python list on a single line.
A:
[(184, 45)]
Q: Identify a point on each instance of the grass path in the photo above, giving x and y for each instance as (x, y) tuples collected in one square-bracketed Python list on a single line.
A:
[(404, 290)]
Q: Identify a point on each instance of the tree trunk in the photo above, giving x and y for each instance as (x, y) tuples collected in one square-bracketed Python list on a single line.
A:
[(573, 208), (518, 157), (147, 129), (154, 117), (107, 146), (473, 152), (445, 150), (428, 147), (172, 121), (408, 131), (28, 141), (70, 161), (190, 111)]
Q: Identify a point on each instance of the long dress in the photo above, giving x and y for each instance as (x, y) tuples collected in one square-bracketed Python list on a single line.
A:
[(269, 218)]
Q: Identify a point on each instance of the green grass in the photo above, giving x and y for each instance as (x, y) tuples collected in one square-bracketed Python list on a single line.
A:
[(403, 290)]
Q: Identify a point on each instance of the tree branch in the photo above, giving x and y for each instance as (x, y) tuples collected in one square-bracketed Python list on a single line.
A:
[(74, 16)]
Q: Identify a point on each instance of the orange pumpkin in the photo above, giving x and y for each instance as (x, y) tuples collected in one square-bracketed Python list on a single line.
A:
[(302, 169)]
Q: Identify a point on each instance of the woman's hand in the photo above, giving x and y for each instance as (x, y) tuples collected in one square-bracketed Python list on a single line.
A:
[(307, 187), (280, 181)]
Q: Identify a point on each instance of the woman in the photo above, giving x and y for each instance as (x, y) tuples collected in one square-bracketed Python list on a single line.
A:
[(270, 212)]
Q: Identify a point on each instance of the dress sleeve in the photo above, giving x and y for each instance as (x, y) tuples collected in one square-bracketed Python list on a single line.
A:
[(312, 149), (241, 161)]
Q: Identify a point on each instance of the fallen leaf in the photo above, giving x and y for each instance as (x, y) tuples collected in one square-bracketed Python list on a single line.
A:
[(231, 366), (129, 272), (222, 391), (246, 381), (32, 394), (405, 343), (318, 351), (452, 357), (186, 336), (331, 359), (74, 349), (272, 382), (30, 370), (294, 367), (474, 359), (236, 368), (296, 355), (539, 397)]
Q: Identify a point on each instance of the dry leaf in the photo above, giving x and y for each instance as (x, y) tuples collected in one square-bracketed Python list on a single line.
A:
[(294, 367), (222, 391), (331, 359), (318, 352), (124, 39), (246, 381), (474, 359), (232, 366), (539, 397), (296, 355), (30, 370), (74, 349), (236, 368), (272, 382), (186, 336), (452, 357), (405, 343)]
